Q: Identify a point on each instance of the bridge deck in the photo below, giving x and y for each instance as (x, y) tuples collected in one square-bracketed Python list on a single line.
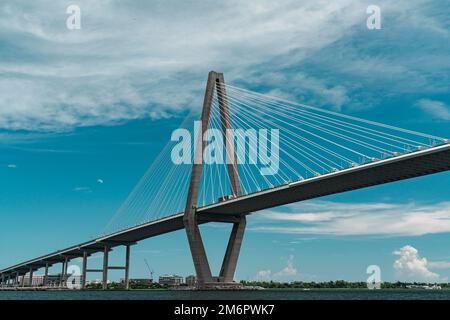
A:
[(414, 164)]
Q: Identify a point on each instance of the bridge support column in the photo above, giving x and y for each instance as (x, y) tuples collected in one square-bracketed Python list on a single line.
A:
[(63, 269), (84, 272), (205, 279), (66, 268), (45, 281), (105, 268), (127, 267), (31, 277), (232, 253)]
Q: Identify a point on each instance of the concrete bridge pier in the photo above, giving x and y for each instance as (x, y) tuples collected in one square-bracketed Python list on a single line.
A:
[(22, 280), (84, 272), (30, 277), (63, 272), (45, 280), (127, 267), (106, 267)]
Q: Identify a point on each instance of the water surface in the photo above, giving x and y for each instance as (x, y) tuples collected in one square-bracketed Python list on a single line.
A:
[(282, 294)]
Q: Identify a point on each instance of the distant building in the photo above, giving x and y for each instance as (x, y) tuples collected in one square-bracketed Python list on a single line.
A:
[(53, 280), (37, 280), (170, 280), (191, 281)]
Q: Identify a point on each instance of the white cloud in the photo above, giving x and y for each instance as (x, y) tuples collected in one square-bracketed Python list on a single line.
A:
[(12, 166), (100, 181), (264, 275), (300, 217), (331, 218), (435, 108), (148, 59), (411, 265), (439, 264), (288, 273)]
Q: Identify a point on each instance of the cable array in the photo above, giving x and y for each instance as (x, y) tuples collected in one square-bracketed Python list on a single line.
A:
[(275, 142)]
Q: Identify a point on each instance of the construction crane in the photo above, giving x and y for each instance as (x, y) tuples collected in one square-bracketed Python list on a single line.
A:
[(149, 270)]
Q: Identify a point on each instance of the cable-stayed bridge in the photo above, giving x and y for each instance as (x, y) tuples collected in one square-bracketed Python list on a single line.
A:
[(248, 152)]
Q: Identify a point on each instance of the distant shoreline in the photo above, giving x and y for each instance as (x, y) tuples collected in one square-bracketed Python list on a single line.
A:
[(251, 286), (194, 290)]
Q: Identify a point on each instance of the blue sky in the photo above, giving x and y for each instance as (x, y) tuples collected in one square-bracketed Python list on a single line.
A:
[(83, 113)]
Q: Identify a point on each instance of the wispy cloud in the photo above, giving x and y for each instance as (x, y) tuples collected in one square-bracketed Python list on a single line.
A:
[(263, 275), (128, 61), (437, 109), (150, 60), (331, 218), (12, 166), (288, 273), (82, 189)]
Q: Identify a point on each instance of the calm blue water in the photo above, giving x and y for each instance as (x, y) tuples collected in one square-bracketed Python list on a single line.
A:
[(227, 295)]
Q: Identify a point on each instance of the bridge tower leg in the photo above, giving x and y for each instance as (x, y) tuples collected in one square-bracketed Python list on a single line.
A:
[(237, 233), (190, 218), (205, 279)]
